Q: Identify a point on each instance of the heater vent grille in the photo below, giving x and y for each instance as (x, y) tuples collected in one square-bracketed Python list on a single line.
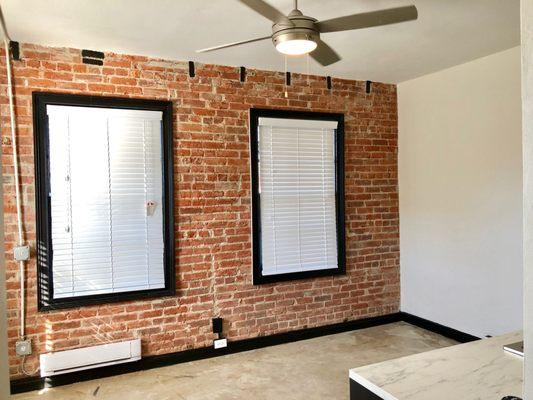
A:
[(90, 357)]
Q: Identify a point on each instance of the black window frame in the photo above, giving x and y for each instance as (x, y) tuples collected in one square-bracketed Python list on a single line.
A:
[(255, 114), (41, 100)]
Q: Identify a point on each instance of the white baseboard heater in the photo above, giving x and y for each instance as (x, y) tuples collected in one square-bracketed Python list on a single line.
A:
[(62, 362)]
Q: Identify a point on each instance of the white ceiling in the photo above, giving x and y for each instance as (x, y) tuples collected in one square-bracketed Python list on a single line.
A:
[(448, 32)]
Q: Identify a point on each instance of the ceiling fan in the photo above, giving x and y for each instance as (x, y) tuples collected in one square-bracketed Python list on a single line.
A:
[(297, 34)]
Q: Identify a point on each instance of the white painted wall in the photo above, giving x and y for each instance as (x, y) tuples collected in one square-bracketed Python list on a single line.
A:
[(527, 107), (460, 177)]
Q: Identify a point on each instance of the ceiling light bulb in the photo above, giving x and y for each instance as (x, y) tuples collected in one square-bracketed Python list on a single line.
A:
[(296, 47)]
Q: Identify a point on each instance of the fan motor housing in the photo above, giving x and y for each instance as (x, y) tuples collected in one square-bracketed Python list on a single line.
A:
[(303, 27)]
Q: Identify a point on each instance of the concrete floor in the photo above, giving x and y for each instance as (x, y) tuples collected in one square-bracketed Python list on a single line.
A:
[(309, 369)]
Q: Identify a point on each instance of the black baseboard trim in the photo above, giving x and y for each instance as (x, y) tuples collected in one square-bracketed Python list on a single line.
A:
[(149, 362), (442, 330)]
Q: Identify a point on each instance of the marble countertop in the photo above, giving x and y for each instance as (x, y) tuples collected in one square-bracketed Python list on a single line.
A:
[(479, 370)]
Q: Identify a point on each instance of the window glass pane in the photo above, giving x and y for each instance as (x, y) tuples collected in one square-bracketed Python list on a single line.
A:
[(297, 195), (106, 200)]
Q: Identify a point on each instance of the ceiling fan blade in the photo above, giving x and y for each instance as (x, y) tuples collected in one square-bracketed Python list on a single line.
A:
[(369, 19), (223, 46), (324, 54), (266, 10)]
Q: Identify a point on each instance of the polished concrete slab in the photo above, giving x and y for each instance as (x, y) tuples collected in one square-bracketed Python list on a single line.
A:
[(309, 369)]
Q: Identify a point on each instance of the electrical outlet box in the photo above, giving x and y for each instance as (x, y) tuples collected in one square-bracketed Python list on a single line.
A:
[(21, 253), (220, 343), (217, 325), (23, 347)]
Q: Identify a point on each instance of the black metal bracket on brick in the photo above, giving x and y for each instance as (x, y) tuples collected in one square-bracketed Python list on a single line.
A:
[(328, 82), (15, 50), (192, 73), (368, 87), (287, 78), (92, 57), (242, 71)]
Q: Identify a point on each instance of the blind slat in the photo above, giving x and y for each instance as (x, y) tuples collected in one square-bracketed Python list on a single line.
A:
[(297, 195), (105, 165)]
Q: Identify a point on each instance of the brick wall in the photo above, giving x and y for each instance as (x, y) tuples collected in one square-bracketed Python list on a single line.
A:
[(212, 204)]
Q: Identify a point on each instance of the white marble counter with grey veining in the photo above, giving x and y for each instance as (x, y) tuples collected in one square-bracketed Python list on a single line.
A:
[(479, 370)]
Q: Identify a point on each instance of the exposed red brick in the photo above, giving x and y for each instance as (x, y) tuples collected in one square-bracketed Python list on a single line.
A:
[(212, 204)]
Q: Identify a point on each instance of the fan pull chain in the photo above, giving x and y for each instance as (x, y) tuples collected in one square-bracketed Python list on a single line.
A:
[(286, 90), (307, 66)]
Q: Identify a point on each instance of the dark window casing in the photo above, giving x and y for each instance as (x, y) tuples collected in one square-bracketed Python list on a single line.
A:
[(255, 114), (42, 187)]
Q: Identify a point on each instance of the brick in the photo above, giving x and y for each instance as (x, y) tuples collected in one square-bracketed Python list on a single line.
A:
[(212, 205)]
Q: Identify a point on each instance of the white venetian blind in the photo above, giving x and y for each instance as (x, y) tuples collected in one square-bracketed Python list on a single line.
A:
[(297, 192), (106, 200)]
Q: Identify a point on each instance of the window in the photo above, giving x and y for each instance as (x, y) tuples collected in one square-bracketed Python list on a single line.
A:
[(297, 194), (104, 208)]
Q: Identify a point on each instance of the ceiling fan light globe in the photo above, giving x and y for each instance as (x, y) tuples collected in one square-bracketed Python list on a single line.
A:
[(296, 47)]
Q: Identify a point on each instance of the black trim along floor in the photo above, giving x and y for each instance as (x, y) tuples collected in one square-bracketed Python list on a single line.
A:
[(149, 362)]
